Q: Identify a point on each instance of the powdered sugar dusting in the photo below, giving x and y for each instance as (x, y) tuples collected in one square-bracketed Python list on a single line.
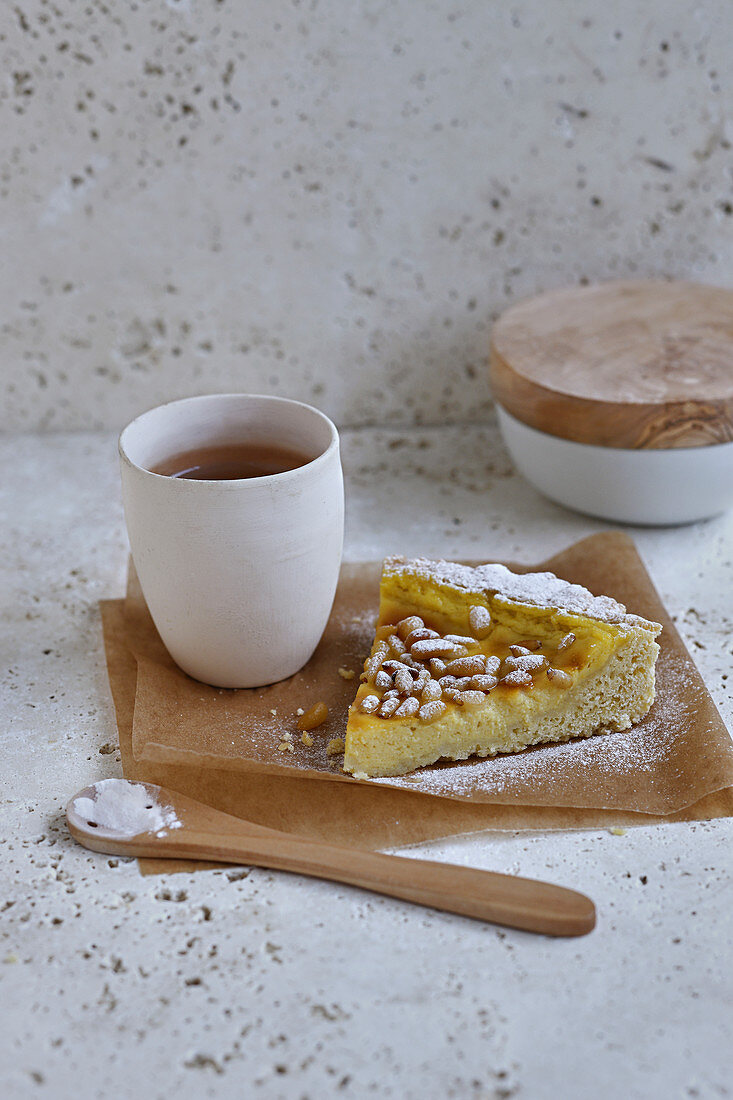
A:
[(537, 589), (126, 809), (647, 758)]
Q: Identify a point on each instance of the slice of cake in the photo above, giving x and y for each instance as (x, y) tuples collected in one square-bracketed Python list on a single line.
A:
[(477, 661)]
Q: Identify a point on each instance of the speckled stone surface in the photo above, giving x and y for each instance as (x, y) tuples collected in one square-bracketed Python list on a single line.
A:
[(333, 201), (237, 983)]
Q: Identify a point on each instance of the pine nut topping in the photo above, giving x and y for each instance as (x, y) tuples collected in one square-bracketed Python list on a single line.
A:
[(389, 706), (436, 647), (479, 620), (467, 666), (403, 681), (528, 662), (374, 663), (518, 678), (472, 698), (431, 692), (419, 671), (418, 636), (391, 666), (406, 626), (483, 683), (422, 679), (430, 711), (408, 708), (557, 676)]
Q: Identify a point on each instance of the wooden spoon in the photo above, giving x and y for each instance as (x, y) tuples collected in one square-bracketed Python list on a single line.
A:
[(208, 834)]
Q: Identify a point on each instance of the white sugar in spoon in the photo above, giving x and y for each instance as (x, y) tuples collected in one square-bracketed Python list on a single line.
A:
[(140, 819)]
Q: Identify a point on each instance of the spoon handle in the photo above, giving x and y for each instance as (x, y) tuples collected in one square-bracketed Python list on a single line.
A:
[(485, 895)]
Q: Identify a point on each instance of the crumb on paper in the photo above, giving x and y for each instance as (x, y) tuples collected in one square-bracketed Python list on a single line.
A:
[(300, 711), (347, 673), (286, 746), (314, 717), (616, 830), (273, 711), (360, 775), (306, 738), (334, 747)]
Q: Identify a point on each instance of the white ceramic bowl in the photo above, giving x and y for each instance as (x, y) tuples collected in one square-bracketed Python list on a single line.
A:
[(652, 487)]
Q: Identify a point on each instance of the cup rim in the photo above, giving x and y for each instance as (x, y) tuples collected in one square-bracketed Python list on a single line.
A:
[(264, 478)]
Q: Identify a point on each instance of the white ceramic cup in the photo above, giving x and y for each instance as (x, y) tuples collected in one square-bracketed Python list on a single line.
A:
[(239, 575)]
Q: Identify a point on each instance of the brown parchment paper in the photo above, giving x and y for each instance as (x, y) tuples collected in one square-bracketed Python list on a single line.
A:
[(680, 752), (195, 739)]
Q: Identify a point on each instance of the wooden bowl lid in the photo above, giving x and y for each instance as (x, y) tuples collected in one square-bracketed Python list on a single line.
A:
[(623, 364)]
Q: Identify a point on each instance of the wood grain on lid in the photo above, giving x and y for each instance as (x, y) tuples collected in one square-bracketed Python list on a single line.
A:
[(624, 364)]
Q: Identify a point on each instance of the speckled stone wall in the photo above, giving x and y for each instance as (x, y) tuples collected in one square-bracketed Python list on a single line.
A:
[(333, 200)]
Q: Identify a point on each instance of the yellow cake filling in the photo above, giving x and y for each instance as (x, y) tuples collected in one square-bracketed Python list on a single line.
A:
[(523, 674)]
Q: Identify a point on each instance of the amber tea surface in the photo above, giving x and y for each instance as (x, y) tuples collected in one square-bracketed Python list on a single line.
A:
[(231, 462)]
